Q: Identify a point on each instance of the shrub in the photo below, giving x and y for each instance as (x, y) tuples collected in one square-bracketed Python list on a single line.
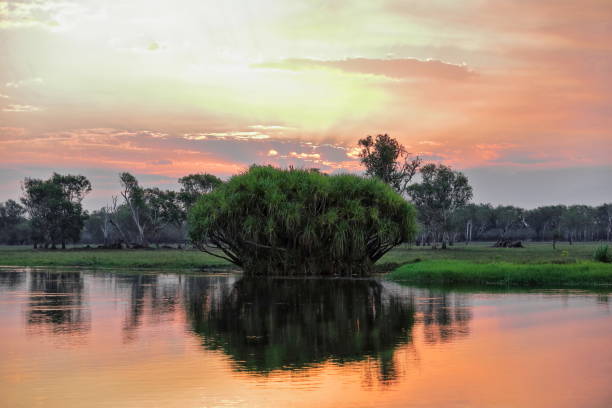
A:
[(602, 254), (301, 222)]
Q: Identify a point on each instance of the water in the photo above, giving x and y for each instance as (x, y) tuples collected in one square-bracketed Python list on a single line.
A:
[(97, 339)]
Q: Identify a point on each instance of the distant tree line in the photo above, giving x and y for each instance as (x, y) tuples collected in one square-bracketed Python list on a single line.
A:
[(484, 222), (50, 213), (445, 213)]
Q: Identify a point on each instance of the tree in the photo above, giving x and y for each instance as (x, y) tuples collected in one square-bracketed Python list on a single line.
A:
[(163, 209), (473, 217), (133, 197), (507, 217), (441, 192), (55, 208), (604, 218), (12, 222), (195, 185), (575, 219), (386, 159), (268, 220)]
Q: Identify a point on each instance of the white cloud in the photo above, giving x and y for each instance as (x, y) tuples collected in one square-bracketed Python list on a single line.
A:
[(305, 155), (24, 82), (430, 143), (269, 127), (227, 135), (51, 14), (21, 108)]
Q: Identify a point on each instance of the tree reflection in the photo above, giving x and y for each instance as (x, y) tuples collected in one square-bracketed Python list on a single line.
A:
[(11, 279), (56, 303), (150, 295), (445, 316), (271, 324)]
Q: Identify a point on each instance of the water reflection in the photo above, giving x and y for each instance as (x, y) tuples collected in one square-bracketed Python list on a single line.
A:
[(11, 280), (56, 303), (445, 316), (266, 325), (262, 325), (175, 340), (287, 324)]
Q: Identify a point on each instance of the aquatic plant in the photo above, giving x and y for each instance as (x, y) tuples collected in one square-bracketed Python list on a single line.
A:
[(301, 222), (602, 254)]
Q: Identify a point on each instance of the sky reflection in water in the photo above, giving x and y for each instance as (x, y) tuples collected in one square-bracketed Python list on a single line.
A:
[(77, 338)]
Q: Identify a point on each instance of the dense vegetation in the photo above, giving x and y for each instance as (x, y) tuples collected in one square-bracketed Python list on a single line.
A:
[(301, 222), (292, 221), (192, 260), (445, 272)]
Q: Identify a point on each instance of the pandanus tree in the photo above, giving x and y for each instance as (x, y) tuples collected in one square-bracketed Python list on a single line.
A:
[(301, 222)]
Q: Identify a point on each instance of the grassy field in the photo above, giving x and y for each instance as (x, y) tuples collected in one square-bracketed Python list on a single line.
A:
[(102, 258), (536, 264), (484, 253), (453, 272)]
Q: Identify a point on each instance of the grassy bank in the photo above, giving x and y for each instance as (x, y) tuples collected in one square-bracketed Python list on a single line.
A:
[(453, 272), (100, 258), (536, 264), (534, 252)]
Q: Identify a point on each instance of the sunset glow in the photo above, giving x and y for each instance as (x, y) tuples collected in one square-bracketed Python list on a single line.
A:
[(508, 91)]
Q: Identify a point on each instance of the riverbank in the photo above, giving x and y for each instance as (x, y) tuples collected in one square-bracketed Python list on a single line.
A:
[(173, 259), (461, 272), (537, 264)]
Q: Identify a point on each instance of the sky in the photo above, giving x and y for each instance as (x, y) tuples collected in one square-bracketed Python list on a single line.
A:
[(516, 94)]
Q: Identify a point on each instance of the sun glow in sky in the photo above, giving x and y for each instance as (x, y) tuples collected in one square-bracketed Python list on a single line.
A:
[(518, 94)]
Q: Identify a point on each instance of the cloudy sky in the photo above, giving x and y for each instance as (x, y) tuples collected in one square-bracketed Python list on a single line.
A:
[(515, 93)]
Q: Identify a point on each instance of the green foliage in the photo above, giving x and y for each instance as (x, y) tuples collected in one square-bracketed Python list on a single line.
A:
[(195, 185), (503, 273), (386, 159), (602, 254), (441, 192), (55, 207), (272, 221), (547, 218), (14, 228), (151, 209)]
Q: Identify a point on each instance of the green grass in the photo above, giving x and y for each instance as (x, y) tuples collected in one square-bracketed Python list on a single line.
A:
[(484, 253), (461, 272), (100, 258), (536, 265)]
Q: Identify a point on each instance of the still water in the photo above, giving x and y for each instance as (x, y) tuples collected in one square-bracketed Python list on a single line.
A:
[(97, 339)]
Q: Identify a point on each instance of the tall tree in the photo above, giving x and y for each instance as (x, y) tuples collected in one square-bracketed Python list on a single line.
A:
[(441, 192), (194, 186), (604, 217), (574, 220), (474, 219), (163, 209), (12, 222), (386, 159), (507, 217), (133, 197), (55, 208)]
